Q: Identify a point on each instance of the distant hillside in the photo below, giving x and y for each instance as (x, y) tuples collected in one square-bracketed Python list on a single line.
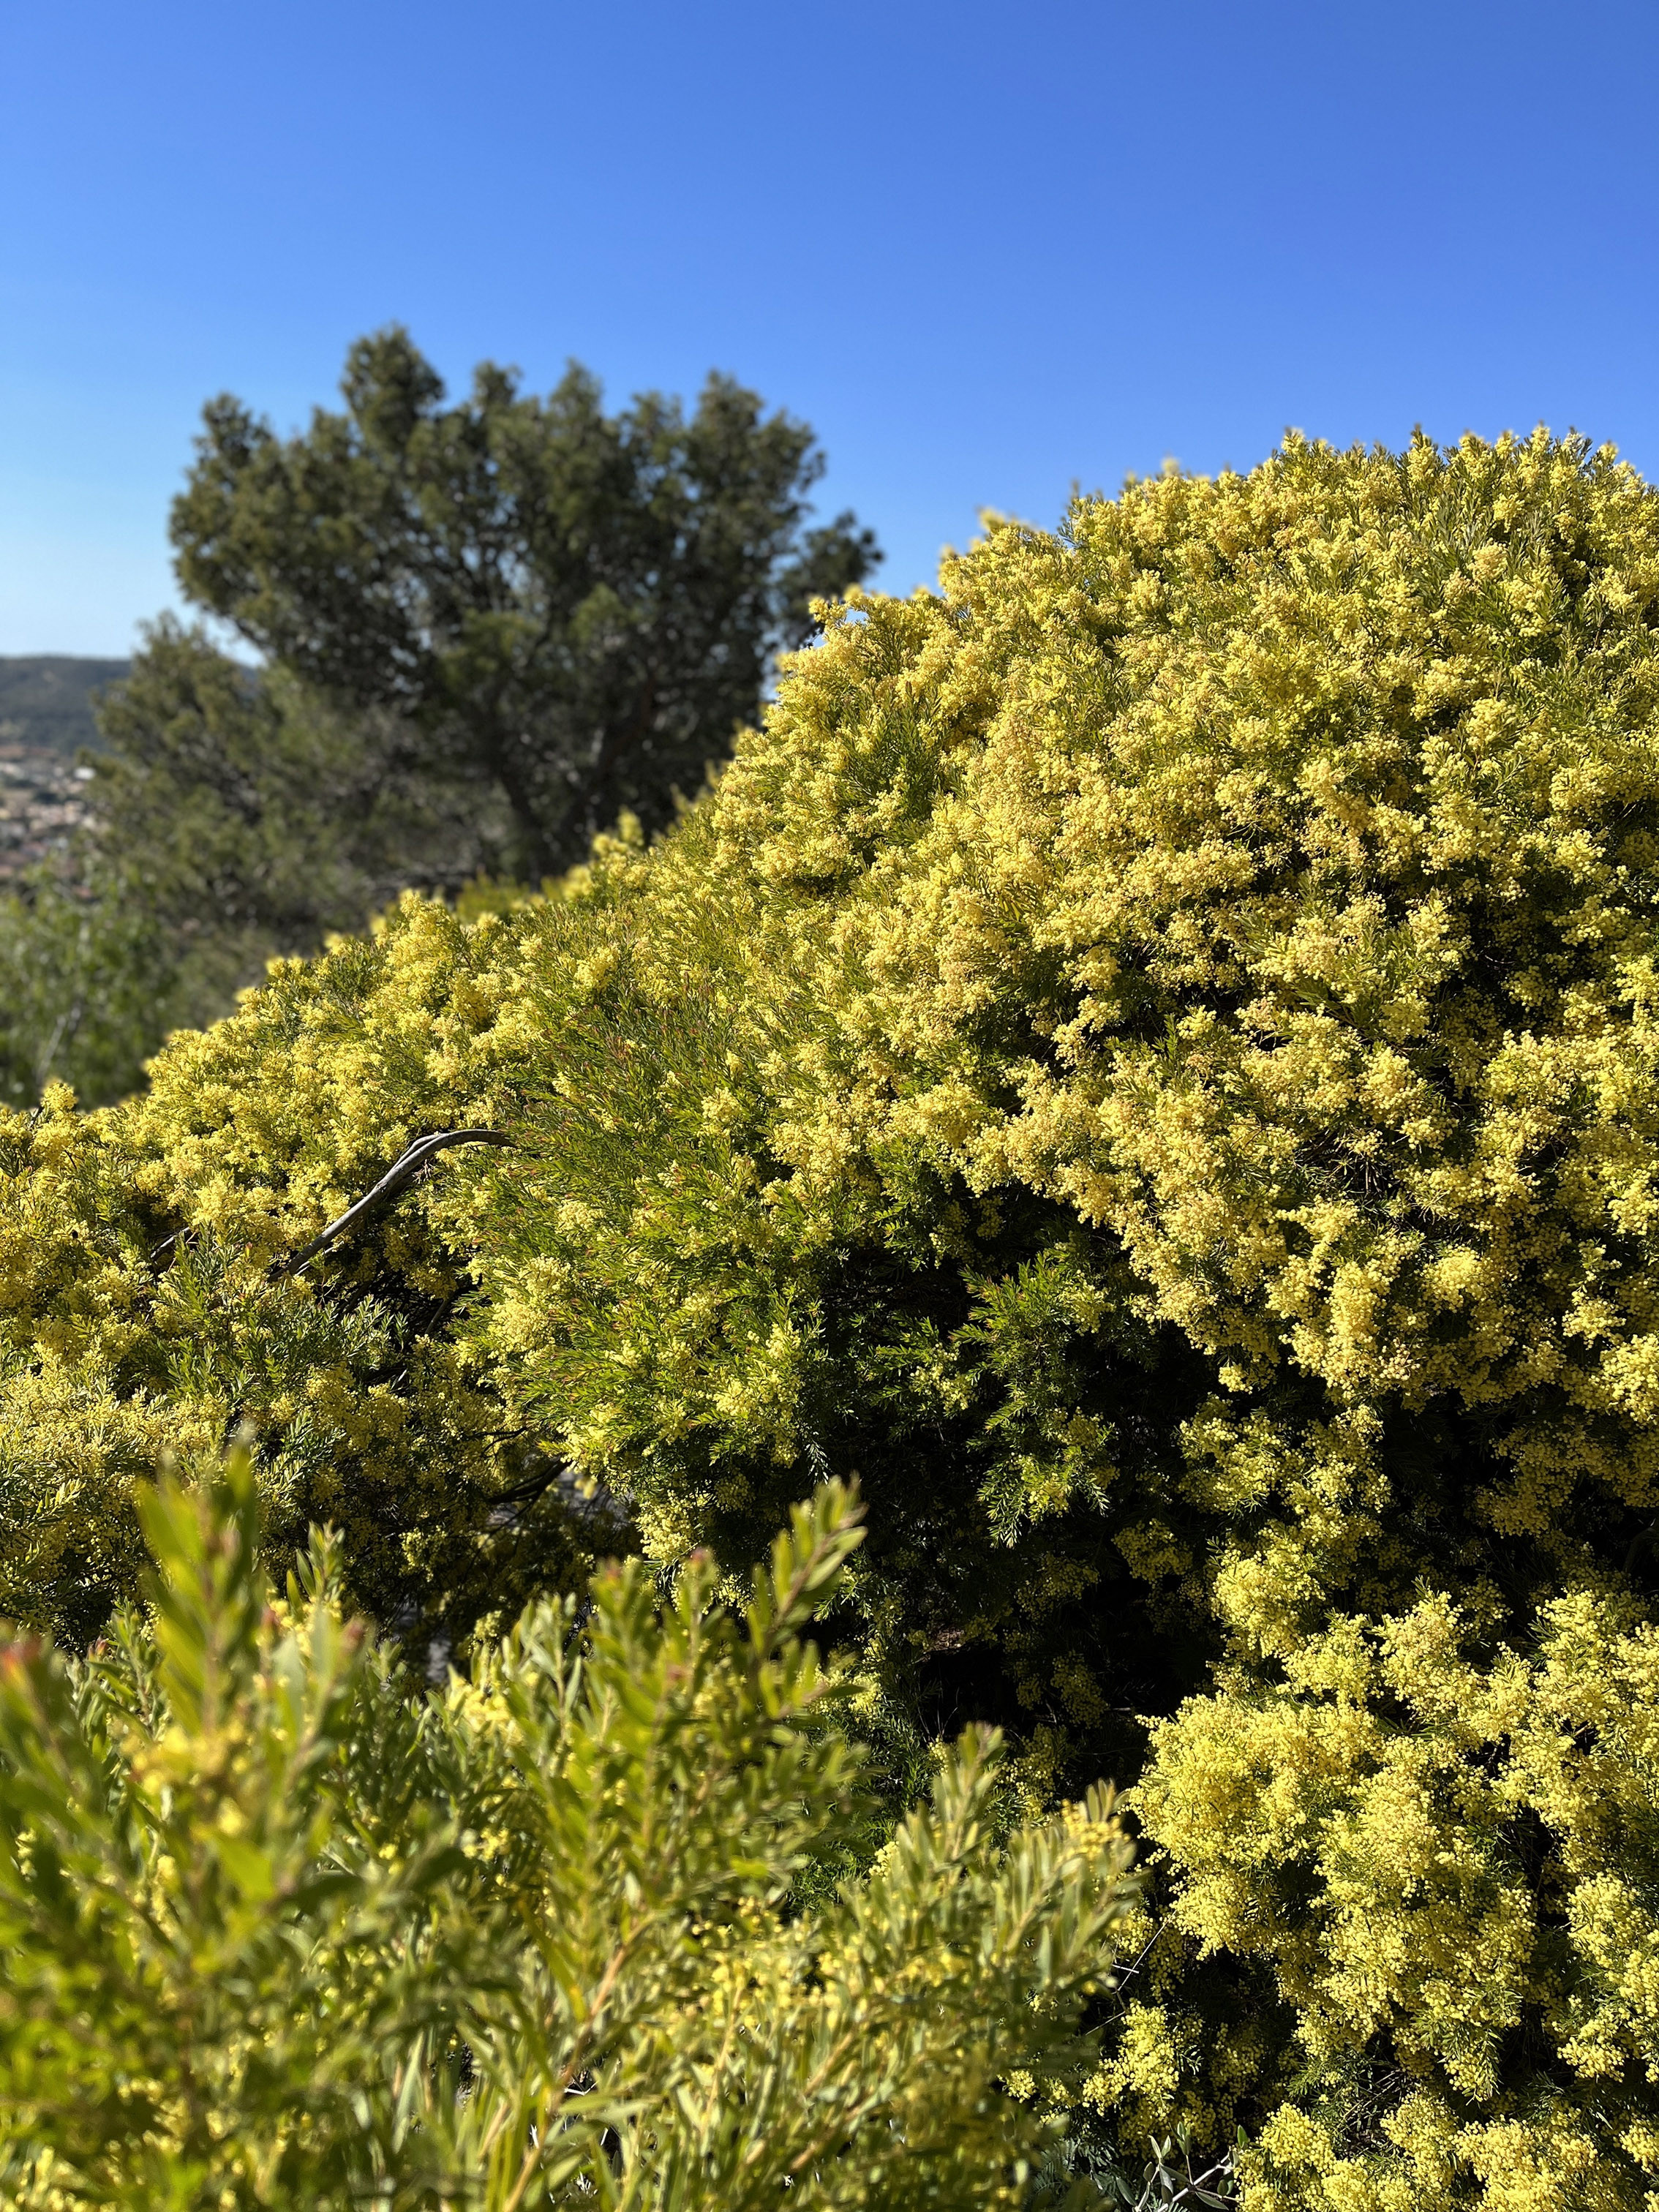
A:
[(46, 699)]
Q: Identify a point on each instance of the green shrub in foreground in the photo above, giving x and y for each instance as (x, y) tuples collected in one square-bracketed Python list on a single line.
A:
[(278, 1931)]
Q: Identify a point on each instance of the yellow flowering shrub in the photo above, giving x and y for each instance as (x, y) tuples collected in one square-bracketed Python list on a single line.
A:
[(1449, 1869), (142, 1315), (1147, 1058), (1171, 1100)]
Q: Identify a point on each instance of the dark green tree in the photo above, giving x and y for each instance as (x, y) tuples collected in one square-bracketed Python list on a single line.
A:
[(249, 817), (87, 988), (569, 609)]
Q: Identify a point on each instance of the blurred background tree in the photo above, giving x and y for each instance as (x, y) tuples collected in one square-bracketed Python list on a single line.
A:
[(253, 817), (87, 988)]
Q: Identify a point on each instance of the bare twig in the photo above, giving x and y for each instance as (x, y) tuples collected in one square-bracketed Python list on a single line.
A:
[(392, 1183)]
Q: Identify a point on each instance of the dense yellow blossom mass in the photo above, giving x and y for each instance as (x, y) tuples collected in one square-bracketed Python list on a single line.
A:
[(1149, 1058)]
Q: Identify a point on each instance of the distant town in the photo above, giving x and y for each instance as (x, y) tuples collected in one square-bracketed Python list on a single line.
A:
[(45, 720)]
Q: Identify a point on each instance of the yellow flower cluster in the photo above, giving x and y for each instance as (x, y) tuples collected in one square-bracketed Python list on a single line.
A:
[(143, 1319), (1445, 1861)]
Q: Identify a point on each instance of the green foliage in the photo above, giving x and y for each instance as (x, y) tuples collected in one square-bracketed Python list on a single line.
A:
[(87, 989), (276, 1930), (247, 819), (1147, 1058), (570, 609)]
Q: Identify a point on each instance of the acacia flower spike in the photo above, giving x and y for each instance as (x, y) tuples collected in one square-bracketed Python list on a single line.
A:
[(396, 1179)]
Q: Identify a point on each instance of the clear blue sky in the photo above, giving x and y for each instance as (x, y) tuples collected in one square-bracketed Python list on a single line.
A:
[(985, 250)]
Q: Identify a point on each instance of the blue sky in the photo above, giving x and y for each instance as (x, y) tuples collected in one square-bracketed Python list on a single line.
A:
[(985, 250)]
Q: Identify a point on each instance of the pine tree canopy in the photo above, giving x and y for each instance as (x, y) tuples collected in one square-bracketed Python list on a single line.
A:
[(574, 609)]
